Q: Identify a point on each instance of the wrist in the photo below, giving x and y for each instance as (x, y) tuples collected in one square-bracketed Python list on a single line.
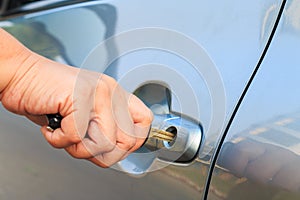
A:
[(13, 55)]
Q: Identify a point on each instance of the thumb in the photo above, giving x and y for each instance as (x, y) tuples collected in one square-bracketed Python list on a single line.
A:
[(141, 116)]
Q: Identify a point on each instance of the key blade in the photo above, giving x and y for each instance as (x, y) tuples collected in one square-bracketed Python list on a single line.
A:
[(161, 135)]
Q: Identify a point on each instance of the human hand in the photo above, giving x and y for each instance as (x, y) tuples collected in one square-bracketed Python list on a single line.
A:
[(101, 122)]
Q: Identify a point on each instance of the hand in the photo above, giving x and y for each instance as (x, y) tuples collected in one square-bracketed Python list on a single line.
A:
[(101, 122)]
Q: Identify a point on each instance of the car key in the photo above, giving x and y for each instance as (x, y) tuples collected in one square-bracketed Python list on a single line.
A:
[(54, 122)]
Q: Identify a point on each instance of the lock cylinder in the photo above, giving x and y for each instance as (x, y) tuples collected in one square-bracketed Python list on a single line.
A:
[(186, 137)]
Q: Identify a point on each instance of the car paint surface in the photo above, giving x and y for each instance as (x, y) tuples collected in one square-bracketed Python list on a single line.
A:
[(233, 35), (260, 155)]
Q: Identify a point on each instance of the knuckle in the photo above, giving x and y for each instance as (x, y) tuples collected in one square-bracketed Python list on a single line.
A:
[(106, 85), (75, 153), (103, 165), (75, 139), (109, 80), (139, 143), (63, 141), (108, 142), (108, 147), (104, 89), (107, 162), (148, 118), (127, 145), (99, 161), (55, 144)]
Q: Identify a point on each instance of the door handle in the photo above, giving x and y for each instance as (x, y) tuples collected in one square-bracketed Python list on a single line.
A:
[(156, 153)]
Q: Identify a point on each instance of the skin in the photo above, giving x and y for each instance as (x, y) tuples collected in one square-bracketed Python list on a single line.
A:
[(101, 121)]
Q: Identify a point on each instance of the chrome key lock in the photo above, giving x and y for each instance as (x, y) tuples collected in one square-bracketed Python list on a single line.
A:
[(187, 138), (186, 135)]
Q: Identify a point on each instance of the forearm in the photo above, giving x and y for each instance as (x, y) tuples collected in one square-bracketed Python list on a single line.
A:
[(12, 55)]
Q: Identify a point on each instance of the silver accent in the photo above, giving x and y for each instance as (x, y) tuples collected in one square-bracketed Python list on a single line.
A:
[(186, 144)]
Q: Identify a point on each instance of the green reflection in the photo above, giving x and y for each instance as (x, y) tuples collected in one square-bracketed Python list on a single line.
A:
[(35, 36)]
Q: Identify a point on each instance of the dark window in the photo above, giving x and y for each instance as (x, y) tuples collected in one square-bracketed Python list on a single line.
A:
[(9, 7)]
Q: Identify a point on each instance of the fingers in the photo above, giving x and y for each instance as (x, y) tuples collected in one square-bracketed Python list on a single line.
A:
[(121, 150), (141, 116), (105, 125), (99, 144), (100, 138), (71, 131), (111, 137), (59, 139), (140, 113), (116, 154)]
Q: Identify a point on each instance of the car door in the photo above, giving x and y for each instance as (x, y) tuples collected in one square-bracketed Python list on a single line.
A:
[(188, 59), (259, 158)]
